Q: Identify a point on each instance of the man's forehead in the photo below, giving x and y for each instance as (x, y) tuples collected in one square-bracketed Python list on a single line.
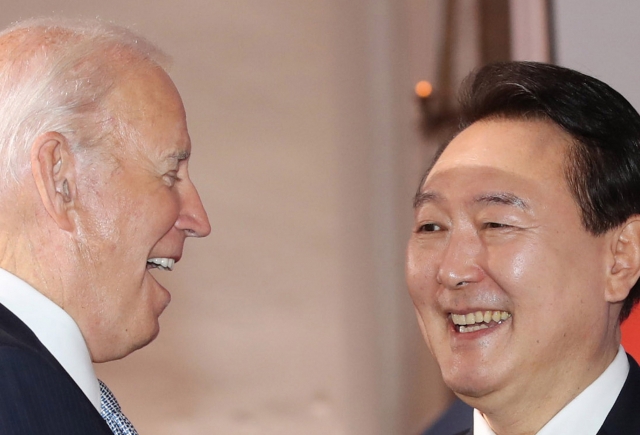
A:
[(529, 148)]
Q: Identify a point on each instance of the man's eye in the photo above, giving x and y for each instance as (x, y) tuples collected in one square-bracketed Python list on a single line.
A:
[(171, 178), (495, 225), (429, 228)]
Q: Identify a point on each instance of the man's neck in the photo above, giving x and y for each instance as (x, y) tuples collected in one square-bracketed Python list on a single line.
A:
[(29, 252), (517, 412), (586, 413)]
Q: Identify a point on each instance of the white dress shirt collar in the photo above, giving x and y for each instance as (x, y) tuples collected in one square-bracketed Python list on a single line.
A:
[(587, 412), (57, 331)]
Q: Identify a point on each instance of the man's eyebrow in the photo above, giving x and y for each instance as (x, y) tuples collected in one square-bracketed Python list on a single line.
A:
[(179, 155), (422, 198), (502, 198)]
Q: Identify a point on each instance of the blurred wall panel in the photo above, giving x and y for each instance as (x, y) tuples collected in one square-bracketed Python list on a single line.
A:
[(600, 39), (530, 30)]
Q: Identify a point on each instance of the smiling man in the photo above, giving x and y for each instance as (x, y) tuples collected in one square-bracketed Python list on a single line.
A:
[(525, 253), (94, 193)]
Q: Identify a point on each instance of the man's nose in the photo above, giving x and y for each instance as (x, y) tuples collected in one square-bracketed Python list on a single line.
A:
[(193, 219), (459, 263)]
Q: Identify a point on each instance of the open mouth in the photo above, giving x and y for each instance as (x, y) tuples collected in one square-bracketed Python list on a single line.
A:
[(478, 320), (161, 263)]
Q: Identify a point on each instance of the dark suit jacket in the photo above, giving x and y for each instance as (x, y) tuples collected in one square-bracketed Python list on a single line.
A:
[(624, 417), (37, 396), (458, 417)]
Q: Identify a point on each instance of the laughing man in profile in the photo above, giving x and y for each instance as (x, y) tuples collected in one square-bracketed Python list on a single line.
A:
[(94, 193)]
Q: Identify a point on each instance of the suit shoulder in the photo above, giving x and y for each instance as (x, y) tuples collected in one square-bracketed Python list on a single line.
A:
[(624, 417), (39, 397)]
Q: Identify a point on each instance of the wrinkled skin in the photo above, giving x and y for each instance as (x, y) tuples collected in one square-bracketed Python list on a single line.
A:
[(142, 206)]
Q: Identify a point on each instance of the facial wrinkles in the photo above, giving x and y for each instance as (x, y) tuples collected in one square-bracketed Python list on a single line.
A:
[(475, 305), (488, 205), (465, 241), (92, 182), (178, 168), (98, 232)]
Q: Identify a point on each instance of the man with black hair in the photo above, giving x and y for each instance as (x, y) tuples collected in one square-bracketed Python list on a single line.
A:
[(525, 253)]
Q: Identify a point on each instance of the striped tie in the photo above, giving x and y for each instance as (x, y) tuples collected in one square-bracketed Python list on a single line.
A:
[(112, 414)]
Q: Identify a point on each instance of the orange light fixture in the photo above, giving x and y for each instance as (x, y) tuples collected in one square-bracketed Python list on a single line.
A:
[(423, 89)]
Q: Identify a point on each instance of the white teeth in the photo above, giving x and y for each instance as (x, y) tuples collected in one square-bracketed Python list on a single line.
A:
[(478, 320), (473, 328), (487, 316), (479, 317), (163, 263)]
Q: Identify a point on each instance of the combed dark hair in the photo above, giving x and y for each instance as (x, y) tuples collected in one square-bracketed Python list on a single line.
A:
[(602, 167)]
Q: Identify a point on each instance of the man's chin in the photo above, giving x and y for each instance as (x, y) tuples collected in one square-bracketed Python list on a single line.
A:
[(146, 339), (128, 345), (470, 385)]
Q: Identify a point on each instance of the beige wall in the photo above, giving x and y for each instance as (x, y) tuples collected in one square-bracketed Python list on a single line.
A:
[(600, 39), (292, 317)]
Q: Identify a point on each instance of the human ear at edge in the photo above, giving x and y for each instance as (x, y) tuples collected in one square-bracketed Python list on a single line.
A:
[(625, 270), (54, 173)]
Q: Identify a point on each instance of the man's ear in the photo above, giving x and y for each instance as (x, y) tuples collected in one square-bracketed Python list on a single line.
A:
[(53, 169), (626, 260)]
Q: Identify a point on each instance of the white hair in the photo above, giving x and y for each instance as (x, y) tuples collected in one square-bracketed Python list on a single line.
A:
[(55, 75)]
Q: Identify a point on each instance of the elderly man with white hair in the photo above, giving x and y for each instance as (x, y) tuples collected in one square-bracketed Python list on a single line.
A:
[(94, 194)]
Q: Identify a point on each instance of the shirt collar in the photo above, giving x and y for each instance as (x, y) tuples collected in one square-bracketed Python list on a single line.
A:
[(586, 413), (55, 329)]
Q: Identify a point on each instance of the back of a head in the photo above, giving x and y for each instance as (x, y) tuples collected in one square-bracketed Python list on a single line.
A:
[(55, 75), (602, 166)]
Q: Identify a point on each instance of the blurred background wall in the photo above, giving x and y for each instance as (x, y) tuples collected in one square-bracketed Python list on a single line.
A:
[(308, 143), (601, 39)]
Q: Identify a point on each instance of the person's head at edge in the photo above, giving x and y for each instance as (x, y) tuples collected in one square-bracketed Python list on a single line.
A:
[(528, 221), (93, 180)]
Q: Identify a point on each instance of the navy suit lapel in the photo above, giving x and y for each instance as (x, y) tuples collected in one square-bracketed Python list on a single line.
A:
[(14, 332), (77, 414)]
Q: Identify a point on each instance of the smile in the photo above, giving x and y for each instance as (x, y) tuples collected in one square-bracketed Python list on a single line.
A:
[(161, 263), (478, 320)]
